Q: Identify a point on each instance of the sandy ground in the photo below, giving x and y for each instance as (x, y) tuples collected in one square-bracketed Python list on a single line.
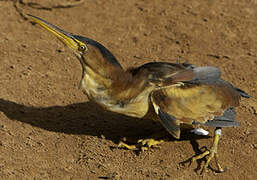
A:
[(49, 130)]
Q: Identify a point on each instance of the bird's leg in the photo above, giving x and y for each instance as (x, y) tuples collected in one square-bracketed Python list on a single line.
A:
[(145, 144), (213, 152)]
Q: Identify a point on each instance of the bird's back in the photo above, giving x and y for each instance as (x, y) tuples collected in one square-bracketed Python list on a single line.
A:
[(197, 102), (186, 94)]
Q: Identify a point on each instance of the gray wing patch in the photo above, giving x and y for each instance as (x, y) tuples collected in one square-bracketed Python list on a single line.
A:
[(170, 123), (206, 74), (226, 120)]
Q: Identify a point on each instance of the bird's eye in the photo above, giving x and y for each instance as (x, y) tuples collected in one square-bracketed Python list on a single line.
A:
[(82, 48)]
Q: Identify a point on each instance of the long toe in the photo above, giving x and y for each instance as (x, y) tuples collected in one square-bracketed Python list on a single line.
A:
[(150, 142), (220, 169), (124, 145)]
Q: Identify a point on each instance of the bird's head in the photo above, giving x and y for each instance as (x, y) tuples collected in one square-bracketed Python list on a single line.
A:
[(88, 51)]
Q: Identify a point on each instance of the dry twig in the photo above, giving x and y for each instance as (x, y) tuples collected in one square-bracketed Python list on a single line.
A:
[(20, 4)]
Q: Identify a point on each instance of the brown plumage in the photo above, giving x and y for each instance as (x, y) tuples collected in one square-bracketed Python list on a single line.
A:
[(189, 99), (180, 93)]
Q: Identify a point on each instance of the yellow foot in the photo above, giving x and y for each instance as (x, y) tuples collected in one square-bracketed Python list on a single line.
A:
[(124, 145), (211, 153), (142, 144)]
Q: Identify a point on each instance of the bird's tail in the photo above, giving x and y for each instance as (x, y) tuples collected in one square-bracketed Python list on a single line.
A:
[(226, 120)]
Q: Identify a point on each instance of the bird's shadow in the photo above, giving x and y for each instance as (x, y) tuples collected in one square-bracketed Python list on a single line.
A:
[(88, 119), (79, 118)]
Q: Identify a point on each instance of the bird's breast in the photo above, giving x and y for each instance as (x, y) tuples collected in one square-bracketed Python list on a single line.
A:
[(99, 91)]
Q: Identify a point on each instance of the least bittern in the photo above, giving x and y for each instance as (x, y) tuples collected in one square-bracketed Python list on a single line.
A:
[(179, 93)]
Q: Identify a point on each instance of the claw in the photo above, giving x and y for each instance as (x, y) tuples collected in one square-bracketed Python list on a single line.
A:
[(142, 144)]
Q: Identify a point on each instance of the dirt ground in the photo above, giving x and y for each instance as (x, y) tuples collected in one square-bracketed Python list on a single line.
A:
[(49, 130)]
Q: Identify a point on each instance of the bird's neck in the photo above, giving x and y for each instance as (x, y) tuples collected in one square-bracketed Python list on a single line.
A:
[(103, 80), (98, 78), (99, 60), (106, 83), (118, 92)]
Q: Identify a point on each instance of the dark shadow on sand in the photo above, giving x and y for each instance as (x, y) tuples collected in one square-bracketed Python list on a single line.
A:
[(79, 118), (87, 119)]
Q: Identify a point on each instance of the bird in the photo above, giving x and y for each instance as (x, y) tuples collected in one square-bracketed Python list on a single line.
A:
[(175, 94)]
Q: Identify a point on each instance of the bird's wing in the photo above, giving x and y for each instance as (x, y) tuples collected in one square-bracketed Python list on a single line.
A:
[(196, 102), (162, 74), (189, 94)]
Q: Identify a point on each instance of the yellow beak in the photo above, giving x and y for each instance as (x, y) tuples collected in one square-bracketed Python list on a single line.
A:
[(66, 37)]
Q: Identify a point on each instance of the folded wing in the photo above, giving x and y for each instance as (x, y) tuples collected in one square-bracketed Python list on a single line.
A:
[(209, 103), (191, 95)]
